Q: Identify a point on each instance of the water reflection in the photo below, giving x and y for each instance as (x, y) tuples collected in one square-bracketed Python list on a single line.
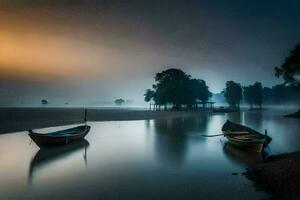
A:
[(171, 137), (239, 156), (46, 156), (170, 144), (237, 117), (254, 119), (165, 159), (182, 127), (247, 118)]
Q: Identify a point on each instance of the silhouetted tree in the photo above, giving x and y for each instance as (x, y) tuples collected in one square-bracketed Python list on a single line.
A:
[(149, 95), (281, 94), (44, 102), (248, 95), (267, 95), (119, 102), (290, 69), (257, 92), (199, 90), (233, 93), (253, 94), (173, 86)]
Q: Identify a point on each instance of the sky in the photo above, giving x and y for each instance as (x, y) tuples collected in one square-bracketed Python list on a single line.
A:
[(93, 51)]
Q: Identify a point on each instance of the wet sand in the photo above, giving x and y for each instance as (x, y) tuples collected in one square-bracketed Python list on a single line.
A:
[(279, 175), (20, 119)]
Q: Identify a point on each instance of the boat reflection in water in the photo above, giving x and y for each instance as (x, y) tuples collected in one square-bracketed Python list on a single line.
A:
[(45, 156), (239, 156)]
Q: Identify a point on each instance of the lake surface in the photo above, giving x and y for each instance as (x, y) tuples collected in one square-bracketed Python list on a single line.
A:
[(147, 159)]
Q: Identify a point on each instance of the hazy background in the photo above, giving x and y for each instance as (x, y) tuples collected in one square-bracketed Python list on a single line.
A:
[(92, 52)]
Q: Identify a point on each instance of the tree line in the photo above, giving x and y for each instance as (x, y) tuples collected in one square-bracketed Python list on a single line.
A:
[(256, 95), (234, 93), (288, 92), (281, 94), (175, 87)]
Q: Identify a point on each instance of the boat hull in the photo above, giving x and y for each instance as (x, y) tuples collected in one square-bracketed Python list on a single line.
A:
[(255, 146), (43, 140)]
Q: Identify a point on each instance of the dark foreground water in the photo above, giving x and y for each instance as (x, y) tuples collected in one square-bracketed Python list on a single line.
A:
[(152, 159)]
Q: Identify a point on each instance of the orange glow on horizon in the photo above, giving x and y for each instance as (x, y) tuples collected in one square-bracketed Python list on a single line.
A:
[(29, 54), (36, 45)]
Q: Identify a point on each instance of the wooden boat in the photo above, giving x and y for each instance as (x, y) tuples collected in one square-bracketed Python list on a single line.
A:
[(245, 137), (59, 137)]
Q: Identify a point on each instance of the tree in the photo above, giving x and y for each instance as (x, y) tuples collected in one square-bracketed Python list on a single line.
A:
[(173, 86), (233, 93), (119, 101), (267, 95), (248, 95), (149, 95), (281, 94), (257, 93), (198, 91), (253, 94), (201, 90), (290, 69), (44, 102)]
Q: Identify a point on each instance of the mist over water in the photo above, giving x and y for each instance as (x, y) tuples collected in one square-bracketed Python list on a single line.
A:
[(142, 159)]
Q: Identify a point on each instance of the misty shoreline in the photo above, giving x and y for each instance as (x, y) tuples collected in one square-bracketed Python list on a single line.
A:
[(22, 119)]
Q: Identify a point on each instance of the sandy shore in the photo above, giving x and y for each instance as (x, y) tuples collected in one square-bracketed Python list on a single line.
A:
[(20, 119), (279, 175)]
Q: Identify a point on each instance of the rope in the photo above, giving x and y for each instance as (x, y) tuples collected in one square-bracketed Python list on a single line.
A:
[(230, 133)]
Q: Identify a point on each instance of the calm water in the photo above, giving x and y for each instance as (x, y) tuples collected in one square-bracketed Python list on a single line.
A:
[(153, 159)]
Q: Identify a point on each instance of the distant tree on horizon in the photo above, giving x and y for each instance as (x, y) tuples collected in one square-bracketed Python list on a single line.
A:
[(253, 94), (248, 95), (275, 94), (233, 94), (290, 69), (119, 101), (258, 96), (44, 101)]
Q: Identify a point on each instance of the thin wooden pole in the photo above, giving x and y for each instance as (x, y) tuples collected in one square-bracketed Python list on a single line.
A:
[(85, 115)]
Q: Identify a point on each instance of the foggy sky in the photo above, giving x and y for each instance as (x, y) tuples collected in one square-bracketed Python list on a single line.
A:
[(88, 50)]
